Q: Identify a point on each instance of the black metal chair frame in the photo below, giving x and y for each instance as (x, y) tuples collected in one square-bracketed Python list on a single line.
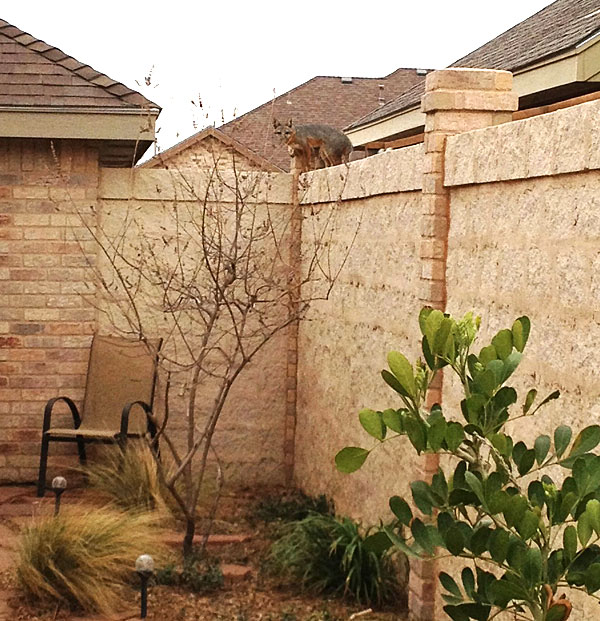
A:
[(119, 438)]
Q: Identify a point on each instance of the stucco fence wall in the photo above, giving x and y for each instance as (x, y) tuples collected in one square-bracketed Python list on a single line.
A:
[(250, 435), (344, 341)]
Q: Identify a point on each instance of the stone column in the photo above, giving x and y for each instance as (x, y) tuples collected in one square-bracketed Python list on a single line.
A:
[(455, 101)]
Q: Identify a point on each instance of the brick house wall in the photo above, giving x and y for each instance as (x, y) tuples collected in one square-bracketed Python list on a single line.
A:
[(45, 313)]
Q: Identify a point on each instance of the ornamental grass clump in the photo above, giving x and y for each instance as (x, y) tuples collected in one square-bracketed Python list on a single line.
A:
[(330, 555), (129, 478), (84, 558)]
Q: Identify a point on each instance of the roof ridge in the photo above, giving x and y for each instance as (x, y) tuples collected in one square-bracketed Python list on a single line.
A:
[(81, 70)]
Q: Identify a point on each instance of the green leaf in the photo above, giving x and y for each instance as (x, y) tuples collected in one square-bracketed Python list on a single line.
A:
[(529, 399), (454, 540), (372, 423), (468, 580), (515, 510), (436, 434), (415, 430), (422, 496), (393, 420), (550, 397), (520, 332), (350, 459), (500, 443), (503, 343), (528, 524), (526, 462), (485, 383), (450, 584), (421, 535), (536, 493), (454, 436), (584, 528), (510, 364), (393, 383), (570, 542), (432, 324), (503, 591), (587, 440), (475, 484), (532, 567), (399, 542), (401, 509), (403, 371), (487, 354), (593, 510), (377, 543), (479, 540), (423, 315), (592, 578), (541, 448), (562, 438), (499, 540)]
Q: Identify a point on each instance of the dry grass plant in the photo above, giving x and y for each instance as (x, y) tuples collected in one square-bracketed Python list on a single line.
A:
[(129, 478), (84, 558)]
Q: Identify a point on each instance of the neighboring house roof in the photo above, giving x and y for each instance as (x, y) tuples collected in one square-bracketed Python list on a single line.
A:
[(556, 29), (161, 160), (323, 99), (48, 87)]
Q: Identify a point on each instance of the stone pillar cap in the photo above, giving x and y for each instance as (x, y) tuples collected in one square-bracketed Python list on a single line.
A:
[(464, 79)]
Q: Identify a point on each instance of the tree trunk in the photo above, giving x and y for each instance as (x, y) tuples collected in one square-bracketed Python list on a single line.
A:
[(188, 540)]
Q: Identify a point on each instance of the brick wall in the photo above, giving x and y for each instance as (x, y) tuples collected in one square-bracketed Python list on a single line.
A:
[(45, 315)]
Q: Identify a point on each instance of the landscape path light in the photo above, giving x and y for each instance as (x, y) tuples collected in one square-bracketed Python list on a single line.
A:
[(144, 566), (59, 485)]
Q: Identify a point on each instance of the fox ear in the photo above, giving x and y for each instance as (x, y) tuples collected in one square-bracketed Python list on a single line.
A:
[(275, 122), (290, 123)]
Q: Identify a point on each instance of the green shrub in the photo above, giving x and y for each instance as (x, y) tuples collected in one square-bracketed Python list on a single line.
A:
[(129, 478), (292, 506), (199, 574), (329, 555), (83, 558), (528, 508)]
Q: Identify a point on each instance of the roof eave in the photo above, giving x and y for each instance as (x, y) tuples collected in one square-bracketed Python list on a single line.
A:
[(78, 123)]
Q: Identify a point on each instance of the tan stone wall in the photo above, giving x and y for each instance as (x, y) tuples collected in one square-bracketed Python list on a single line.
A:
[(344, 342), (250, 434), (524, 240), (45, 314)]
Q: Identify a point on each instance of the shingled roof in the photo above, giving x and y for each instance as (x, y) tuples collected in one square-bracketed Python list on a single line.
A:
[(323, 99), (557, 28), (33, 73)]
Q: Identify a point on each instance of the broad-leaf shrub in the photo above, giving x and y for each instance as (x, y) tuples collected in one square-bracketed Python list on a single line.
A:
[(527, 512)]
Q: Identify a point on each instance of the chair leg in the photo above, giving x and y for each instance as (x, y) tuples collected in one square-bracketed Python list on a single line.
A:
[(41, 487), (81, 451)]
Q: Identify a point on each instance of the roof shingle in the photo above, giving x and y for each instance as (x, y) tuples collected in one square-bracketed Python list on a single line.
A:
[(32, 73)]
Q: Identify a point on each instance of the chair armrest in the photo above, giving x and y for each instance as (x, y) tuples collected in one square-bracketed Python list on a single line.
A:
[(150, 426), (48, 412)]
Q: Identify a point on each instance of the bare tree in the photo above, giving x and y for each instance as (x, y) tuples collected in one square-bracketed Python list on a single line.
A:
[(217, 271)]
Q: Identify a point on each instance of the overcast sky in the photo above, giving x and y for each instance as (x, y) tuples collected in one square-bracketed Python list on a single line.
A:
[(233, 56)]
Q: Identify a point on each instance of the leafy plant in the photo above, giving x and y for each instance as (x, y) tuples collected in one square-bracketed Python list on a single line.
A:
[(84, 558), (129, 478), (529, 511), (199, 574), (329, 555), (292, 506)]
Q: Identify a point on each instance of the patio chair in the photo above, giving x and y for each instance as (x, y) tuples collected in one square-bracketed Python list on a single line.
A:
[(121, 374)]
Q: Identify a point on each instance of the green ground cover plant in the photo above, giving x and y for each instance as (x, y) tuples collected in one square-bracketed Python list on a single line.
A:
[(291, 506), (524, 515), (328, 555)]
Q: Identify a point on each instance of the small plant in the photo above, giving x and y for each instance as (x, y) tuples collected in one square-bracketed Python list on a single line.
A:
[(200, 575), (292, 506), (329, 555), (527, 509), (129, 478), (83, 558)]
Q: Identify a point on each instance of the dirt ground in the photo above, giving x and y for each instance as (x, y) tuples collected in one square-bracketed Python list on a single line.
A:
[(254, 597)]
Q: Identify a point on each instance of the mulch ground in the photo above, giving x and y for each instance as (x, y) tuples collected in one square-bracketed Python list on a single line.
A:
[(257, 597)]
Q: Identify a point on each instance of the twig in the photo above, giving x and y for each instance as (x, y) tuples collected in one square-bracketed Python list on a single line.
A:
[(362, 613)]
